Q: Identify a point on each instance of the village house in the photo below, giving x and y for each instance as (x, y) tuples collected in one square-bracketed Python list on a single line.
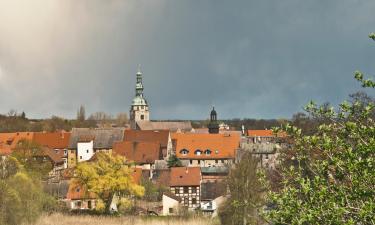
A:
[(9, 141), (143, 154), (171, 204), (160, 136), (56, 141), (264, 145), (206, 150), (185, 182), (85, 142)]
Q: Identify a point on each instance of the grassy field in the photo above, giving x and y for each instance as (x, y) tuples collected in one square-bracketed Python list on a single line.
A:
[(60, 219)]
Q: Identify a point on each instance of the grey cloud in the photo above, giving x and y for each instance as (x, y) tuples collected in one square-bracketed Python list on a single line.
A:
[(262, 59)]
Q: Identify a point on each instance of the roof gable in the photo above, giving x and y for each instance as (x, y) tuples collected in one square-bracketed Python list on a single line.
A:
[(185, 176), (103, 138), (139, 152), (195, 146), (160, 136)]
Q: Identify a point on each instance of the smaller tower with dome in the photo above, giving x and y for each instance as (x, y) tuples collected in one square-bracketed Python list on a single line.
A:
[(139, 110), (213, 126)]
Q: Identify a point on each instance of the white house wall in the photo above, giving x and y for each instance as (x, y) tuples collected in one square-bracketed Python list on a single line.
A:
[(85, 150)]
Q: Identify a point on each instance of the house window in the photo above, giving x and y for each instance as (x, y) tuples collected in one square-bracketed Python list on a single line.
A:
[(184, 151), (198, 152), (80, 157), (186, 190), (186, 201), (194, 190), (142, 117), (65, 152), (89, 205), (87, 151), (170, 210), (56, 151), (142, 107), (78, 204), (216, 161), (194, 201), (208, 152), (266, 156)]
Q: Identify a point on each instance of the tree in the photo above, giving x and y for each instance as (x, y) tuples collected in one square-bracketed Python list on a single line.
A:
[(173, 161), (106, 177), (331, 179), (31, 156), (246, 194), (81, 114), (21, 198), (122, 119)]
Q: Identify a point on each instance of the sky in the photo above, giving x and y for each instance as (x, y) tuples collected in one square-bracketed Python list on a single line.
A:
[(249, 58)]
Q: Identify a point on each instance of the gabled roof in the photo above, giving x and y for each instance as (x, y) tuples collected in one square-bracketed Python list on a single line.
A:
[(139, 152), (103, 138), (161, 136), (185, 176), (264, 133), (55, 140), (222, 146), (172, 196), (50, 153), (12, 139), (167, 125), (162, 177)]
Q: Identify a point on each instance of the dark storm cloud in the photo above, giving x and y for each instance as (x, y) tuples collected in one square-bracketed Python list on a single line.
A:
[(262, 59)]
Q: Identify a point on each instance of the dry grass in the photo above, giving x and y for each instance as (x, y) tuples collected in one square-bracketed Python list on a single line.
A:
[(60, 219)]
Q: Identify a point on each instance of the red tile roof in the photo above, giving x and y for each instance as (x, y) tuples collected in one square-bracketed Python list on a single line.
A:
[(9, 141), (161, 136), (76, 192), (139, 152), (264, 133), (185, 176), (55, 140), (12, 139), (221, 146)]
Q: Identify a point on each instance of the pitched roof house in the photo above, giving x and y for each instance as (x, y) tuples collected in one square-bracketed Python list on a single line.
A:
[(172, 126), (206, 149), (159, 136), (139, 152), (185, 183), (9, 141)]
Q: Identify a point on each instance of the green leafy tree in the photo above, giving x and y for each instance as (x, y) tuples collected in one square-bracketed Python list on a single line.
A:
[(106, 177), (21, 197), (31, 156), (245, 194), (173, 161), (330, 177)]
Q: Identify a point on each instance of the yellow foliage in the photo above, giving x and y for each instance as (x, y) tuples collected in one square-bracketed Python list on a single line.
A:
[(106, 176)]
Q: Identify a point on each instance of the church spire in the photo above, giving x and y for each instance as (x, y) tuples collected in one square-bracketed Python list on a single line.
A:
[(139, 85)]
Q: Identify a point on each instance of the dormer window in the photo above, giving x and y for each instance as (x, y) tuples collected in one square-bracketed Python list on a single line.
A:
[(216, 151), (184, 151), (198, 152), (208, 152)]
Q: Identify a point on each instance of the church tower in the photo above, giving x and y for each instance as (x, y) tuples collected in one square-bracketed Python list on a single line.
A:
[(213, 126), (139, 109)]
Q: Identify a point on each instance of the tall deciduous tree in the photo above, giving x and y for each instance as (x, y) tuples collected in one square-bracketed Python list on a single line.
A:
[(107, 176), (21, 198), (245, 194), (332, 179)]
